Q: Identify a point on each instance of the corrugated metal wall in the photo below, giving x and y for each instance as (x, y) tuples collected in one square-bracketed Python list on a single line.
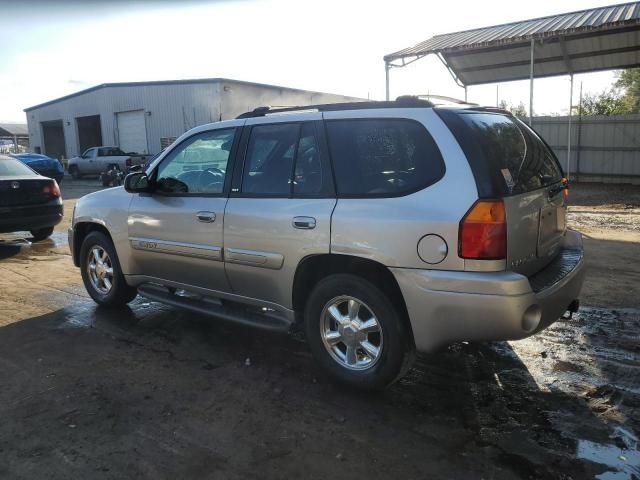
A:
[(171, 109), (603, 148)]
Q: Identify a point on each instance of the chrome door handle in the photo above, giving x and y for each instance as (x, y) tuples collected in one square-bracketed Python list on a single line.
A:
[(304, 223), (206, 217)]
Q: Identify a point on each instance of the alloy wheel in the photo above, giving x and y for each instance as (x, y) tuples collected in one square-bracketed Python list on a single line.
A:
[(351, 333)]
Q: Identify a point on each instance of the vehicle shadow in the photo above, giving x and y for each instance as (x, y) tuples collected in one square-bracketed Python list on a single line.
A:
[(9, 248), (154, 391), (15, 245)]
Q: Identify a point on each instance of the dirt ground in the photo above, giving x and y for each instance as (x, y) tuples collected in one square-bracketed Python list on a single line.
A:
[(155, 392)]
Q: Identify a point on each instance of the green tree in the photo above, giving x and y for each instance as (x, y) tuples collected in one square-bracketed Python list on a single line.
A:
[(609, 102), (518, 110), (629, 82), (622, 98)]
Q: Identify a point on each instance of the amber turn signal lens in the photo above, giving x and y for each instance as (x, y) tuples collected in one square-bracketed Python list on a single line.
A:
[(483, 231)]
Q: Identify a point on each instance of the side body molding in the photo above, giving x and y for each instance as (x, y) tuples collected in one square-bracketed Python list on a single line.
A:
[(254, 258), (177, 248)]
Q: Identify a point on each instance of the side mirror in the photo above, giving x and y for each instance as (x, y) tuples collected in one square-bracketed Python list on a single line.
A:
[(137, 182)]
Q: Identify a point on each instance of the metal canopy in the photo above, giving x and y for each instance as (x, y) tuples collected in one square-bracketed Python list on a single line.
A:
[(602, 38)]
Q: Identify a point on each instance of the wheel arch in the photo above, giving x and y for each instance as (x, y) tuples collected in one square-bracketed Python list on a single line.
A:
[(80, 232), (314, 268)]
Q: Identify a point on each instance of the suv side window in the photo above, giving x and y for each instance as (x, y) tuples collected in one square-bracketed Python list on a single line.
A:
[(103, 152), (269, 160), (311, 175), (89, 153), (284, 160), (383, 157), (198, 165)]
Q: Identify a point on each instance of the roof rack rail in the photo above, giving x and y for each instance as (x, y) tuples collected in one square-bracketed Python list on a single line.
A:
[(405, 101), (444, 99)]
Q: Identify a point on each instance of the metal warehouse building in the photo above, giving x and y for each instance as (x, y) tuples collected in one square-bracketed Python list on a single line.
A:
[(145, 117)]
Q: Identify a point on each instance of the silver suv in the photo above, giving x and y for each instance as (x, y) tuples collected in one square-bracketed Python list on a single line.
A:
[(379, 228)]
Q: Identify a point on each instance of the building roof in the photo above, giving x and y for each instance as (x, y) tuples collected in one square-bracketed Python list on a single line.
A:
[(601, 38), (167, 82), (14, 129)]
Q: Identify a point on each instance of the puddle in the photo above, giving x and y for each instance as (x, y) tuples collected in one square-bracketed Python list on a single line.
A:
[(625, 461), (21, 246), (80, 321)]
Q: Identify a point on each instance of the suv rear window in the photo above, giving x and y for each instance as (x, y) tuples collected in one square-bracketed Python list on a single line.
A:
[(382, 157), (506, 156)]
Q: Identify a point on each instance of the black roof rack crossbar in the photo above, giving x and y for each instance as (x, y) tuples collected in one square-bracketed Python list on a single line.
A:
[(400, 102)]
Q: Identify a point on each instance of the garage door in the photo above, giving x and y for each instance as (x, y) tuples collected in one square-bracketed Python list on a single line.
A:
[(132, 131)]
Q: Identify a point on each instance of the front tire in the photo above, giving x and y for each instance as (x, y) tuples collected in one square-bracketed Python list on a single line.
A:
[(101, 273), (356, 333), (41, 234)]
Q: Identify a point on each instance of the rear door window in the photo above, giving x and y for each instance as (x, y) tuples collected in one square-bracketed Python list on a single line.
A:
[(286, 160), (382, 157), (269, 161), (506, 156)]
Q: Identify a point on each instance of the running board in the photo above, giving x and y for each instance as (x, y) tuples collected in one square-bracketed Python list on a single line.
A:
[(212, 307)]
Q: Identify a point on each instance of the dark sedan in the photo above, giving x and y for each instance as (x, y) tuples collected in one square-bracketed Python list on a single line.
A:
[(45, 166), (28, 200)]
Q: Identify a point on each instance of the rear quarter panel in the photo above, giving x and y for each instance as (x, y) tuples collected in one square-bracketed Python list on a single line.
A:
[(388, 230)]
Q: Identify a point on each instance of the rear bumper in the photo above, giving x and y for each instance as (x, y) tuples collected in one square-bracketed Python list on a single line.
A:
[(32, 217), (447, 306)]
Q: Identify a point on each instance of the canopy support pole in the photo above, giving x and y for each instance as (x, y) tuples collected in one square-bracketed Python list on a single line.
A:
[(531, 84), (387, 67), (569, 126)]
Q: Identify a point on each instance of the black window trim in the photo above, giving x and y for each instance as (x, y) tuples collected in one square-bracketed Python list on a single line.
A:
[(238, 174), (227, 177), (403, 193)]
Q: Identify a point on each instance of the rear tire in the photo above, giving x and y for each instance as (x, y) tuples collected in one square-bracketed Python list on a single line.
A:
[(101, 273), (41, 234), (352, 349), (74, 172)]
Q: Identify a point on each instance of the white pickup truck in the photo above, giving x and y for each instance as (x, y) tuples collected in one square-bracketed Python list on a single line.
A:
[(96, 160)]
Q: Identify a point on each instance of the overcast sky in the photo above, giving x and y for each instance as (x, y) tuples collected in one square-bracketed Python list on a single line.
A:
[(49, 49)]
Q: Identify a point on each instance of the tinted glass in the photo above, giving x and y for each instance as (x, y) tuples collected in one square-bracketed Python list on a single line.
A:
[(14, 168), (197, 165), (506, 156), (269, 160), (383, 156), (309, 177), (110, 152)]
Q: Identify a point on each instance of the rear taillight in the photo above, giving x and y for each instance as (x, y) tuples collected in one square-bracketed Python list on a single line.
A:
[(52, 189), (483, 231)]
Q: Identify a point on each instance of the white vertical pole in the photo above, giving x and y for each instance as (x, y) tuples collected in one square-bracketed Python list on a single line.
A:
[(569, 127), (465, 94), (531, 84), (387, 67), (497, 95)]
